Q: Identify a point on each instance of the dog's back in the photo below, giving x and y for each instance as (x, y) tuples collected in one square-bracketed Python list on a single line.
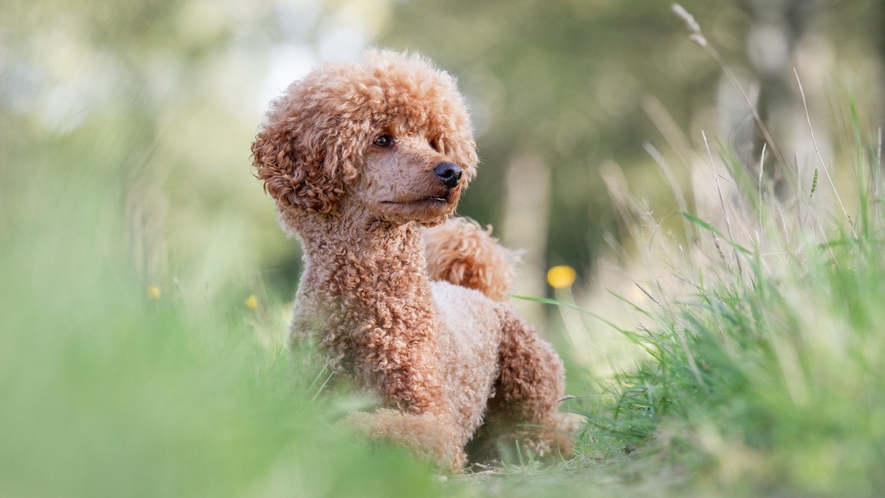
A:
[(463, 253)]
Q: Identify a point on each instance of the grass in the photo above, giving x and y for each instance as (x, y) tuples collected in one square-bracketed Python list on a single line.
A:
[(787, 390), (765, 370), (108, 392), (764, 377)]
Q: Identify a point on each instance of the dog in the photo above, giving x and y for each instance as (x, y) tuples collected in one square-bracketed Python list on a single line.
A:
[(360, 158)]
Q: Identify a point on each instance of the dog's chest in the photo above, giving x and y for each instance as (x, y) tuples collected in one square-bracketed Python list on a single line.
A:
[(468, 339)]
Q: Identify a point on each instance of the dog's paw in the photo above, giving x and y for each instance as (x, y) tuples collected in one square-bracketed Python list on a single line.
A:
[(426, 435)]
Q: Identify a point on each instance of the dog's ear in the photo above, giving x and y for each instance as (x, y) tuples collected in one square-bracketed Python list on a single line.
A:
[(303, 165)]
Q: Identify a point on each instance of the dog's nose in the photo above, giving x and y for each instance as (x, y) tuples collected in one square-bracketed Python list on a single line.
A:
[(449, 173)]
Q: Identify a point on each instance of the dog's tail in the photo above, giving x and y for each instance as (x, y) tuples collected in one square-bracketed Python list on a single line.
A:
[(463, 253)]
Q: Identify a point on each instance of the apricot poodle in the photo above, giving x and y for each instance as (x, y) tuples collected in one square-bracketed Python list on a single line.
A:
[(360, 158)]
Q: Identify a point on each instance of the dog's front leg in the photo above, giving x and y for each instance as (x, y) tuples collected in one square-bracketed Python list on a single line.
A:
[(422, 422), (416, 414), (523, 414), (427, 435)]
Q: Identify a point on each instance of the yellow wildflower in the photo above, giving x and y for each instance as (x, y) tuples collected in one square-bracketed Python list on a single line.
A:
[(251, 302), (153, 292), (561, 276)]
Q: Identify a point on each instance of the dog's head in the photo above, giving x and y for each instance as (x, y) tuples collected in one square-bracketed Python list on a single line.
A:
[(390, 134)]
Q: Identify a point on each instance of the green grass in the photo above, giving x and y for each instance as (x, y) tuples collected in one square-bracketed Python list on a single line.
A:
[(106, 392), (765, 372), (780, 380), (762, 371)]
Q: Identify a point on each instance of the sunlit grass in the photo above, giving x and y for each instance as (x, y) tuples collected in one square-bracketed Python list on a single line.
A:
[(763, 376), (115, 385), (765, 369)]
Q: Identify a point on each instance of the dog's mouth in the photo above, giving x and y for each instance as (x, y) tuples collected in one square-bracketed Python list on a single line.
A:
[(432, 200), (424, 209)]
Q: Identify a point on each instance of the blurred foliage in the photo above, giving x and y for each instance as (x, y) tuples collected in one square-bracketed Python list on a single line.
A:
[(763, 364), (173, 92), (567, 81), (109, 387), (564, 80)]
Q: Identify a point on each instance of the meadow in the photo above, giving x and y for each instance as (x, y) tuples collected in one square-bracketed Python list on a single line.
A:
[(756, 335)]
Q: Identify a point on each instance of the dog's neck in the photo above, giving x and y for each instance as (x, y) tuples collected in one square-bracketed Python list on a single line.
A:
[(365, 292), (345, 254)]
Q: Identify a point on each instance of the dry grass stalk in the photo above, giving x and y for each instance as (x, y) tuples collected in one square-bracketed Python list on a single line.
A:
[(719, 249), (674, 184), (698, 38), (722, 202), (671, 131), (878, 169), (822, 165), (761, 172), (647, 293)]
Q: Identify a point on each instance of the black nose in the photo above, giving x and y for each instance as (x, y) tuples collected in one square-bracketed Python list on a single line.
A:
[(449, 173)]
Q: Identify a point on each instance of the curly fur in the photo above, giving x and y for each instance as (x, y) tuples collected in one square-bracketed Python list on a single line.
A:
[(449, 359), (462, 253)]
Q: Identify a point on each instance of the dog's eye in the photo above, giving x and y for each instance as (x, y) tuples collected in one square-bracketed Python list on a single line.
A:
[(434, 144), (384, 141)]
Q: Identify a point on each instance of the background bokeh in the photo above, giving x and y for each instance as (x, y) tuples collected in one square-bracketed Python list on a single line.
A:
[(165, 97)]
